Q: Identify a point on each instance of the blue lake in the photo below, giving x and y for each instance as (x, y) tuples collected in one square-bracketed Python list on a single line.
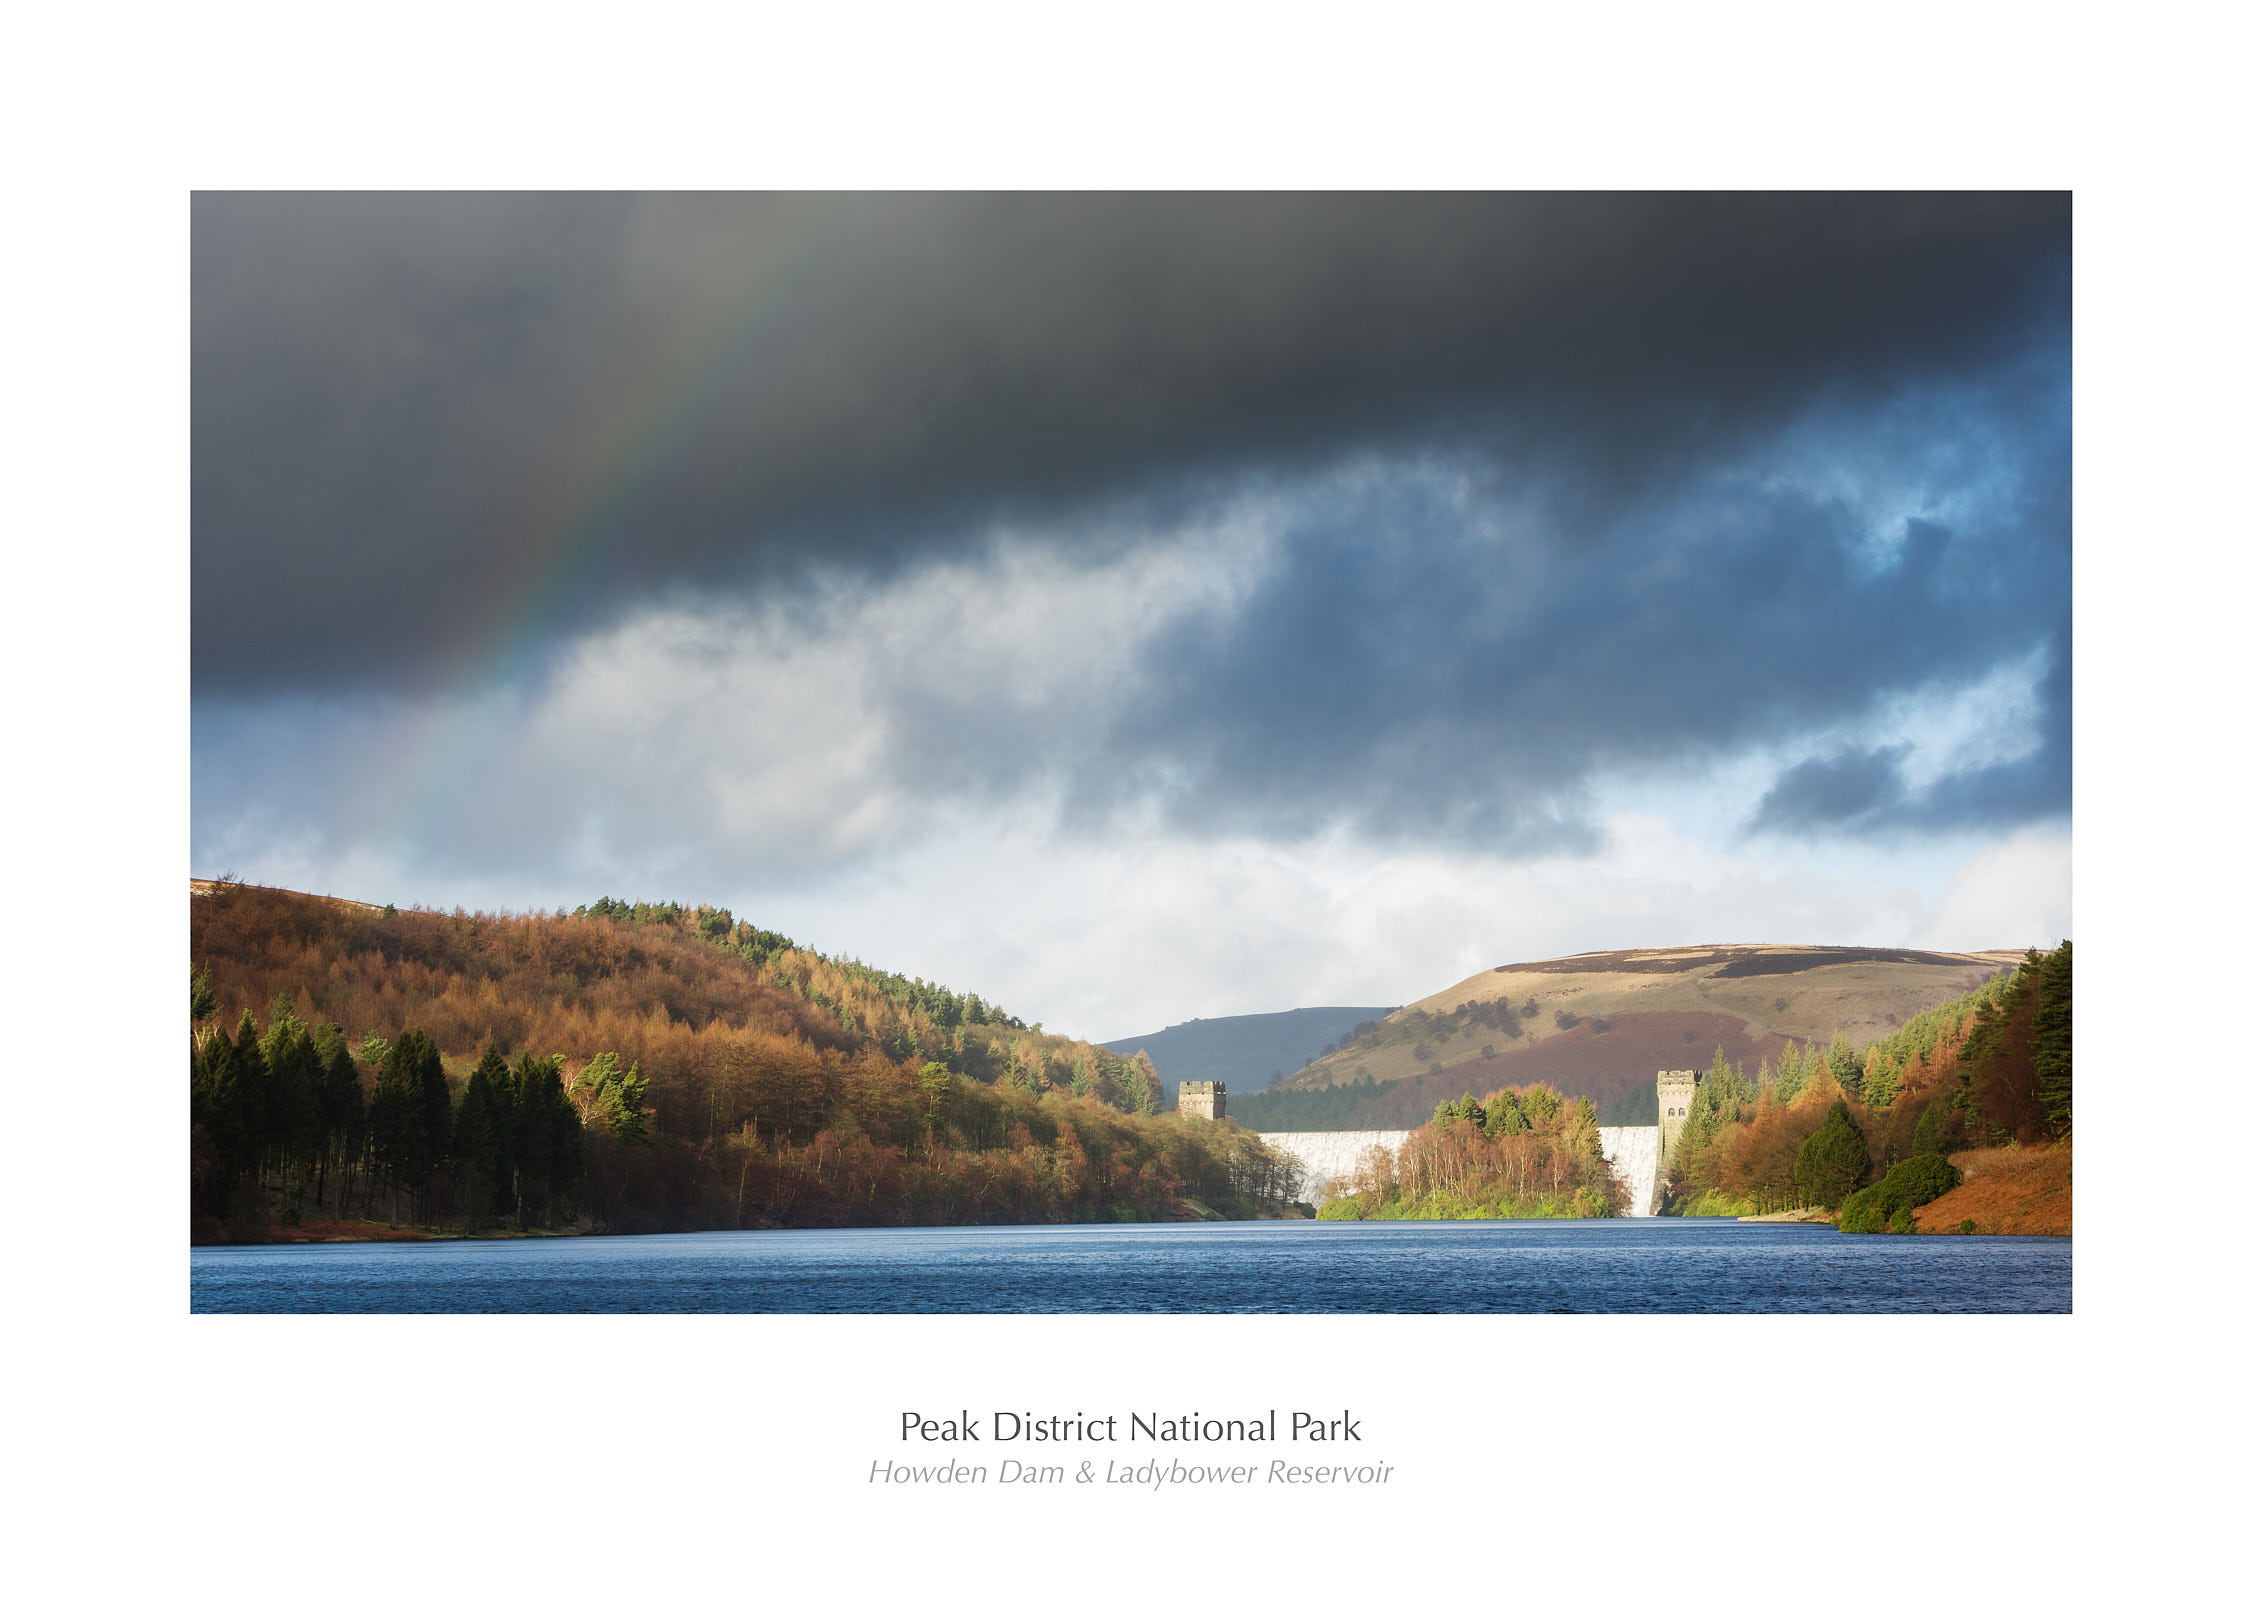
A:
[(1653, 1265)]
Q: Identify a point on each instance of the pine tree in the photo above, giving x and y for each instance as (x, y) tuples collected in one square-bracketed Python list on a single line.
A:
[(293, 1092), (1834, 1162), (411, 1120), (1504, 1115), (212, 1100), (244, 1115), (1791, 1075), (548, 1131), (392, 1120), (2054, 1038), (1845, 1065), (340, 1117), (486, 1137)]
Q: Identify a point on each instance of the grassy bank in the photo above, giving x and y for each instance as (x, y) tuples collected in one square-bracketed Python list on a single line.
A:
[(2024, 1189)]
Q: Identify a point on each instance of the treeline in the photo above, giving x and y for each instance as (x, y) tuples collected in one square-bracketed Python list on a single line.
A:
[(717, 926), (1427, 1030), (1408, 1102), (1525, 1152), (769, 1084), (282, 1122), (692, 993), (1346, 1105), (1822, 1128)]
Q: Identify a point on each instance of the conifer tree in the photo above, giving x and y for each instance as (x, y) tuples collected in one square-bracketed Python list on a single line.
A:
[(2054, 1038), (1791, 1075), (212, 1099), (244, 1114), (293, 1092), (1844, 1065), (486, 1138), (340, 1114), (410, 1115), (548, 1132), (1504, 1115), (1834, 1162)]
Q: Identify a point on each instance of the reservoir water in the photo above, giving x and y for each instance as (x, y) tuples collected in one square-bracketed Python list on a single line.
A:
[(1619, 1265)]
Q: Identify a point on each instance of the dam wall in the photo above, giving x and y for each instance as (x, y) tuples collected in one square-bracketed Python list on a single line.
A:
[(1332, 1155), (1633, 1152)]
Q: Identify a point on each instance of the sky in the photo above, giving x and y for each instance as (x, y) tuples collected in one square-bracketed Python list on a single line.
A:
[(1136, 608)]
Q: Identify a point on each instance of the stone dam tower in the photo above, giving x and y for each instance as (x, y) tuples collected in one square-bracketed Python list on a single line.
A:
[(1204, 1098), (1676, 1091)]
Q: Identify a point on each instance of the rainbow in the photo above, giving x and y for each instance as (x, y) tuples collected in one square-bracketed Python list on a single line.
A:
[(563, 541)]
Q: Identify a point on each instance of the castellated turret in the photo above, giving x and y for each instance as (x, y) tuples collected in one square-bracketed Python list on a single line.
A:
[(1676, 1092), (1204, 1098)]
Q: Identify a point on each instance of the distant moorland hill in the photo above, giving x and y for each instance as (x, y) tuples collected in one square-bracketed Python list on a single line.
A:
[(1604, 1024), (1247, 1052)]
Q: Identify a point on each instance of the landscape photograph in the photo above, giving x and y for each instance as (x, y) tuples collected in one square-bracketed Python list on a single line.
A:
[(1131, 752)]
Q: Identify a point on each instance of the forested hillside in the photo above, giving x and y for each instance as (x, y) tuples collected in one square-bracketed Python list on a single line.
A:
[(1882, 1138), (1881, 1134), (647, 1066)]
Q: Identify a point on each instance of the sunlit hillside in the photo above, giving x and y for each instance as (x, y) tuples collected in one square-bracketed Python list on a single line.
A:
[(1604, 1024)]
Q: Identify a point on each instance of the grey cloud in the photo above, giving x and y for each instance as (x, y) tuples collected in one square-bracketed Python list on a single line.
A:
[(1828, 792), (424, 426), (1409, 668)]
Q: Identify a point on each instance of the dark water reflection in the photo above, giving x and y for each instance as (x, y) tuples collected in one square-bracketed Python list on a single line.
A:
[(1658, 1265)]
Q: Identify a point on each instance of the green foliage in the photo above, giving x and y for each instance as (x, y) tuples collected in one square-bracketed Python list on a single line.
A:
[(1940, 1127), (343, 1119), (547, 1132), (614, 1098), (716, 925), (1844, 1065), (1466, 1109), (1833, 1161), (202, 1002), (2015, 1072), (487, 1135), (1886, 1205), (1309, 1110), (1713, 1203), (1504, 1115), (1528, 1154), (1791, 1074), (2054, 1038), (411, 1119), (293, 1091)]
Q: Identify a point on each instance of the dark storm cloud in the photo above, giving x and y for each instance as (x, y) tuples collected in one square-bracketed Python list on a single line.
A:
[(1409, 666), (412, 415), (1832, 791)]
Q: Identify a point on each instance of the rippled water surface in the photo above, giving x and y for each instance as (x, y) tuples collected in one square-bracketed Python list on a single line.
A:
[(1241, 1267)]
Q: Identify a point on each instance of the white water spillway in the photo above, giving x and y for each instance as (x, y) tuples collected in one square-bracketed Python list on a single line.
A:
[(1632, 1152), (1332, 1155)]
